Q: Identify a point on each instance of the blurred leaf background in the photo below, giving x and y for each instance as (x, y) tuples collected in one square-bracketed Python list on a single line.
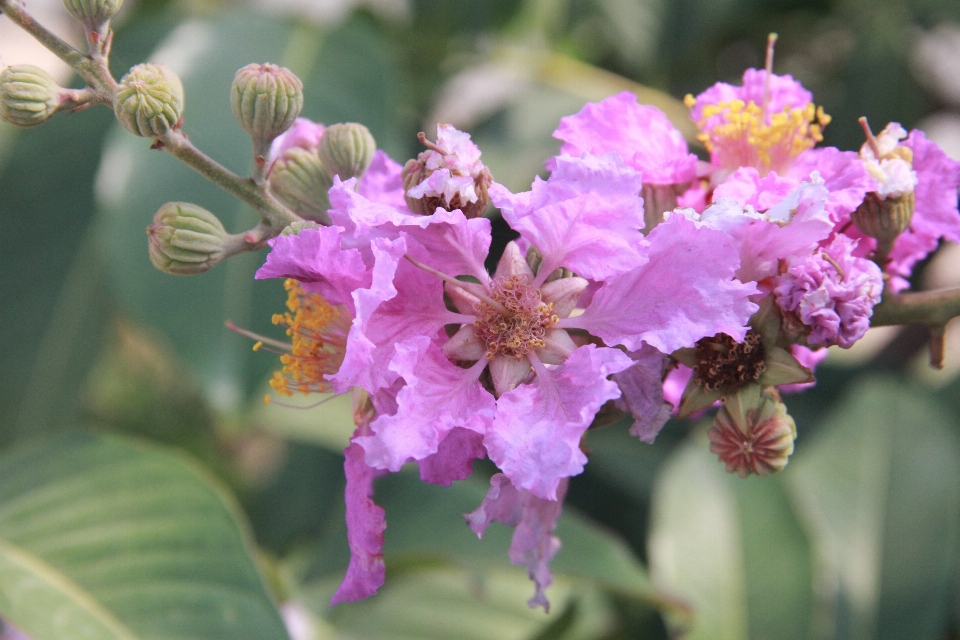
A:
[(139, 468)]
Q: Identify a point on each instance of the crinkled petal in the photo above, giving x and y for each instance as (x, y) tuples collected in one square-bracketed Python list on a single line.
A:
[(641, 388), (844, 175), (534, 519), (452, 244), (535, 437), (935, 215), (438, 397), (315, 258), (799, 223), (586, 217), (365, 526), (382, 182), (402, 302), (686, 291), (746, 187), (641, 135), (454, 457)]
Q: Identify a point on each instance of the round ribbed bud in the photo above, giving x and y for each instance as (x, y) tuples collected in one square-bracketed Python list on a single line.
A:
[(266, 99), (299, 180), (28, 95), (347, 149), (884, 218), (92, 13), (186, 239), (752, 433), (149, 100)]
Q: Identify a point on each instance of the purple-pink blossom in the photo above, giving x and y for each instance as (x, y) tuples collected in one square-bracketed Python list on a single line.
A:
[(831, 292)]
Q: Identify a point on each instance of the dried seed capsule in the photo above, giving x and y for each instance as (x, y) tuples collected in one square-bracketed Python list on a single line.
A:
[(266, 99), (149, 100), (28, 95), (185, 239)]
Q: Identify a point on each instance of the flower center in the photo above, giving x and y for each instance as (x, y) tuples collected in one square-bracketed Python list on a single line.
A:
[(724, 363), (524, 326), (319, 334), (742, 133)]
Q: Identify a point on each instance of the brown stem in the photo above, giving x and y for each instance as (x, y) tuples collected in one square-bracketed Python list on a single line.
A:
[(932, 308), (273, 214), (86, 67)]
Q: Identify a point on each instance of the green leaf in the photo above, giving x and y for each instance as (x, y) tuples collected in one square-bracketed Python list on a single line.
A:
[(880, 491), (438, 603), (349, 74), (124, 536), (732, 549)]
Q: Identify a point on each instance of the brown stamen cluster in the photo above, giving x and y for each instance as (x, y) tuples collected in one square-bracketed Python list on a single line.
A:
[(524, 326), (724, 363)]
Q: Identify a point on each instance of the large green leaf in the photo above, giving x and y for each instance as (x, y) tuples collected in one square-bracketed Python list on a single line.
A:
[(731, 549), (349, 74), (125, 541), (880, 491)]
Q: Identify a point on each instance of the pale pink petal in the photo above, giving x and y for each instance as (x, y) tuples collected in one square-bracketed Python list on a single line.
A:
[(304, 134), (365, 526), (452, 244), (402, 302), (454, 457), (675, 382), (641, 135), (535, 438), (844, 175), (686, 291), (746, 187), (641, 396), (315, 258), (935, 215), (586, 217), (534, 519), (382, 183), (438, 397), (363, 219)]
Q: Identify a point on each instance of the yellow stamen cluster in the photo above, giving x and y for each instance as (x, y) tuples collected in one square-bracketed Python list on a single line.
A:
[(319, 334), (523, 328), (740, 133)]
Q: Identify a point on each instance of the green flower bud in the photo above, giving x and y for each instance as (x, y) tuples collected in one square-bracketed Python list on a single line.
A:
[(28, 95), (186, 239), (92, 13), (299, 180), (149, 101), (266, 99), (347, 149)]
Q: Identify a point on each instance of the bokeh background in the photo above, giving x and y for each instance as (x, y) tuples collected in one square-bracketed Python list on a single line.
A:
[(858, 538)]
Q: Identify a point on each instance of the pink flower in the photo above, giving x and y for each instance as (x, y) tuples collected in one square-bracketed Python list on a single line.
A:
[(765, 123), (831, 292), (641, 135), (304, 134)]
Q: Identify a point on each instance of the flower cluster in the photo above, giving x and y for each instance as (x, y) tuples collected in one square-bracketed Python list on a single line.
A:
[(641, 277)]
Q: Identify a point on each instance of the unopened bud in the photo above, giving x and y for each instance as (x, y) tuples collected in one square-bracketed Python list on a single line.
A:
[(752, 433), (149, 100), (347, 149), (186, 239), (28, 95), (449, 175), (884, 218), (266, 99), (92, 13), (300, 181)]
